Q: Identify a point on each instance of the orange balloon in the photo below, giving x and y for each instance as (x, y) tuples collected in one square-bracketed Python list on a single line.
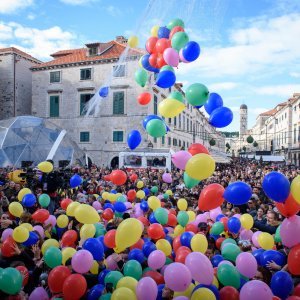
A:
[(172, 220), (143, 99), (118, 177), (289, 208), (211, 197), (110, 238), (65, 202), (162, 45)]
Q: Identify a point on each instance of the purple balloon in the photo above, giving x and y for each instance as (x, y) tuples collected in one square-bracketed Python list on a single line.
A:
[(82, 261), (214, 213), (181, 298), (182, 59), (51, 220), (256, 290), (156, 259), (181, 158), (167, 178), (289, 231), (146, 289), (40, 230), (97, 205), (111, 263), (246, 264), (246, 234), (177, 277), (6, 233), (39, 293), (254, 239), (171, 57)]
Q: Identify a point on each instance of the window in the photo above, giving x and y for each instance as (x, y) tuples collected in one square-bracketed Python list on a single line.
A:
[(175, 121), (169, 120), (183, 122), (84, 136), (84, 99), (169, 141), (155, 140), (285, 134), (179, 143), (86, 74), (118, 136), (54, 106), (162, 140), (183, 145), (187, 124), (179, 119), (119, 71), (191, 125), (295, 133), (133, 160), (155, 105), (174, 142), (298, 133), (55, 77), (118, 103), (93, 51)]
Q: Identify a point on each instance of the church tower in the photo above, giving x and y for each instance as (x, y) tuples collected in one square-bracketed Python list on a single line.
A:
[(243, 119)]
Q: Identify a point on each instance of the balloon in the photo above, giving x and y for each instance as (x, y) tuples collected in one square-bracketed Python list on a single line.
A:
[(174, 30), (170, 108), (6, 234), (72, 208), (196, 94), (44, 200), (167, 177), (45, 167), (148, 247), (203, 293), (171, 57), (179, 40), (133, 41), (247, 221), (211, 197), (28, 200), (113, 277), (289, 231), (234, 225), (177, 277), (191, 51), (221, 117), (230, 251), (149, 118), (95, 247), (82, 261), (289, 208), (146, 289), (25, 274), (229, 293), (182, 218), (293, 260), (182, 204), (146, 65), (216, 259), (197, 148), (110, 238), (253, 288), (163, 32), (246, 234), (150, 44), (123, 293), (16, 209), (86, 214), (282, 284), (11, 281), (156, 128), (228, 275), (20, 234), (154, 203), (23, 192), (185, 239), (118, 177), (144, 98), (154, 30), (199, 243), (295, 189), (214, 101), (53, 257), (95, 292), (32, 239), (74, 287), (164, 246), (134, 138), (133, 269), (156, 259), (161, 215), (141, 77), (246, 264), (174, 23), (165, 79), (108, 214), (270, 255), (75, 181), (162, 44), (189, 182), (67, 253), (39, 293), (238, 193), (180, 159), (266, 241), (200, 166), (155, 231), (276, 186), (104, 92)]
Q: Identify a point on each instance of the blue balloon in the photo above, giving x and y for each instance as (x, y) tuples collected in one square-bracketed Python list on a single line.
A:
[(191, 51), (169, 239), (149, 118), (29, 200), (109, 205), (104, 91), (276, 186), (146, 191), (211, 287), (146, 65), (101, 239), (198, 106), (134, 138), (238, 193), (221, 117), (185, 239), (160, 288), (95, 292), (163, 32), (243, 280), (120, 207), (148, 247), (214, 101), (113, 191), (216, 259), (32, 239), (136, 254), (258, 255), (269, 255), (102, 275), (95, 247), (282, 284), (144, 206), (75, 181), (152, 218), (219, 217), (165, 79), (234, 225)]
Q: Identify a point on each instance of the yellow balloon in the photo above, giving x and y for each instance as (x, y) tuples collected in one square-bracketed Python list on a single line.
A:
[(20, 234), (72, 208), (246, 221), (200, 166), (127, 282), (266, 241), (118, 195), (67, 253), (186, 293), (164, 246), (128, 233), (28, 226), (203, 293), (169, 192), (182, 204), (62, 221), (192, 216), (16, 209), (95, 268), (49, 243), (170, 108), (199, 243), (87, 231), (45, 167), (295, 189), (133, 41), (154, 202), (215, 282), (112, 197), (105, 195), (123, 293), (154, 30), (86, 214), (140, 62), (23, 192), (140, 194), (178, 230), (139, 184)]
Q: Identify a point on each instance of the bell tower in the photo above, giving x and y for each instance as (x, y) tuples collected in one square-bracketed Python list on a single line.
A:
[(243, 119)]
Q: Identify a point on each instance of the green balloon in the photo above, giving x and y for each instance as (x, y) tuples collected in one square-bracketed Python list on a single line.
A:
[(118, 214), (154, 189), (11, 281), (44, 200), (53, 257), (277, 237), (174, 23), (179, 40), (167, 68), (183, 218), (230, 251), (133, 269), (176, 95), (228, 241), (100, 229), (217, 228), (113, 277), (161, 216), (189, 181), (141, 77), (146, 270), (105, 297), (228, 276), (121, 199), (197, 94), (166, 196), (156, 128), (54, 230), (168, 261)]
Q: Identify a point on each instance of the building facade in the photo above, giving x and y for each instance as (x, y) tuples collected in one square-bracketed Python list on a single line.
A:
[(62, 87), (15, 82)]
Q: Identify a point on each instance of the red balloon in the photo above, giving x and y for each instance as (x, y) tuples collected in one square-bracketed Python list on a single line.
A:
[(144, 220), (293, 260), (191, 227), (160, 61), (182, 249), (289, 208), (25, 274), (172, 220), (65, 203), (219, 242), (153, 60), (173, 211), (118, 177), (176, 243), (69, 238), (106, 177), (297, 290), (182, 253), (293, 298), (197, 148), (133, 177), (155, 231), (211, 197), (7, 248), (276, 298), (224, 220), (74, 287), (108, 214), (138, 245), (57, 277), (150, 44), (156, 276), (131, 195), (162, 44), (41, 215), (229, 293), (174, 30), (143, 99), (110, 238)]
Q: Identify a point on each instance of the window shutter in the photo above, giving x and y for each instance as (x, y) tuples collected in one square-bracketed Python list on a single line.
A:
[(118, 103), (54, 106)]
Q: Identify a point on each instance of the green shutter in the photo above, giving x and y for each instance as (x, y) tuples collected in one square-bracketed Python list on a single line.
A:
[(54, 106), (162, 140), (155, 105), (118, 136), (118, 103), (84, 136)]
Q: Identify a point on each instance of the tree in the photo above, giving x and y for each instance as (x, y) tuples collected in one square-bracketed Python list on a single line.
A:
[(212, 142), (255, 144), (244, 148), (227, 145), (250, 139)]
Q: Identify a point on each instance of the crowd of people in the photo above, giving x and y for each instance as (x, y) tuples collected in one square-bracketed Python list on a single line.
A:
[(113, 275)]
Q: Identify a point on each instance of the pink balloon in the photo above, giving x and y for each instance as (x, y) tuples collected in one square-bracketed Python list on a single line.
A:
[(181, 158), (111, 263), (197, 261), (182, 59), (254, 239), (289, 231), (181, 298), (51, 220), (160, 197), (171, 57), (137, 210), (214, 213), (200, 219), (237, 216), (167, 178), (6, 233), (40, 230), (177, 277), (156, 259), (256, 290), (39, 293), (97, 205), (162, 270), (225, 262), (246, 234), (246, 264), (82, 261), (146, 289), (128, 205)]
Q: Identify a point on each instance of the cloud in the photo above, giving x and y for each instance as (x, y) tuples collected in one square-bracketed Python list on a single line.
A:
[(221, 86), (12, 6), (31, 16), (113, 11), (6, 32), (284, 90), (78, 2), (295, 74)]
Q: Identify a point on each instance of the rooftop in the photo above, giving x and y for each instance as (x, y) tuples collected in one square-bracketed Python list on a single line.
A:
[(19, 52), (270, 112)]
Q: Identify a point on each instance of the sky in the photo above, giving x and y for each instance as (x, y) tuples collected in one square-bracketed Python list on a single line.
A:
[(249, 49)]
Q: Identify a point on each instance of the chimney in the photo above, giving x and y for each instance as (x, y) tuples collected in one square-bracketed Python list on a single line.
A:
[(121, 39)]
